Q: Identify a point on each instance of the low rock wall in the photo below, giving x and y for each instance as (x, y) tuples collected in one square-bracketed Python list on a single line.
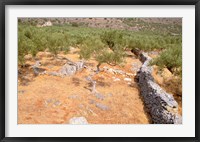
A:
[(161, 106)]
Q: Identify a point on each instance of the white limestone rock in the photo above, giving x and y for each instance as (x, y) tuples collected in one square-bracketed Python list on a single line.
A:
[(78, 120)]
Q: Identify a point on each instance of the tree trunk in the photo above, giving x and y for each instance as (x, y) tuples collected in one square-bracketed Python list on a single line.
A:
[(98, 69)]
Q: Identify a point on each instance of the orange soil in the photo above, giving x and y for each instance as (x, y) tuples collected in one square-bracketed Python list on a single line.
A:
[(54, 100)]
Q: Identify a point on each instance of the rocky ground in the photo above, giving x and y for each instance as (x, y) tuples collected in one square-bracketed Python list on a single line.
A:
[(113, 23), (109, 97), (46, 98)]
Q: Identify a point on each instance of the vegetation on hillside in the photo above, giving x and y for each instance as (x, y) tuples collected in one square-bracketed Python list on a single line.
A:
[(105, 45)]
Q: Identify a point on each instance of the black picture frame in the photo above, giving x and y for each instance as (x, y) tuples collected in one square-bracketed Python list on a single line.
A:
[(3, 3)]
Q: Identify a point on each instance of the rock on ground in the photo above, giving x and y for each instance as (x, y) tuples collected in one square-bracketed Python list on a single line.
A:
[(127, 79), (116, 79), (70, 69), (102, 107), (78, 120)]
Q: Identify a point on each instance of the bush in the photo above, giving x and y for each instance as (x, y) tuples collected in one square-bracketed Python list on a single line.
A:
[(91, 47), (113, 39), (148, 41), (56, 41), (96, 42), (74, 24), (171, 59), (95, 48), (111, 58), (22, 48)]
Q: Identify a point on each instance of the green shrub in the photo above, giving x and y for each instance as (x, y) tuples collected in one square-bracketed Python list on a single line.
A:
[(91, 47), (96, 42), (74, 24), (171, 59), (113, 39), (112, 58), (98, 50), (28, 34), (22, 48)]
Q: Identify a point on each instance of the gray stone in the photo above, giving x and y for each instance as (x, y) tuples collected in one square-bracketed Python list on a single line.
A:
[(49, 100), (73, 97), (161, 106), (53, 73), (99, 96), (102, 107), (116, 79), (67, 70), (135, 67), (78, 120), (91, 101), (36, 69), (71, 68), (57, 103), (127, 79), (178, 119), (110, 95), (81, 106)]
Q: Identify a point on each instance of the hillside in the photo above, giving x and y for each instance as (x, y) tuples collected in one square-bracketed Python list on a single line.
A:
[(87, 70)]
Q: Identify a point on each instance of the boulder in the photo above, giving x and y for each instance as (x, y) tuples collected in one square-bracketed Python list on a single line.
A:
[(71, 68)]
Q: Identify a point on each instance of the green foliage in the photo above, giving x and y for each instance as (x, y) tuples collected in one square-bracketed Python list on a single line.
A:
[(74, 24), (91, 47), (100, 51), (112, 58), (57, 42), (113, 39), (38, 39), (28, 34), (148, 41), (172, 59), (23, 50), (96, 42)]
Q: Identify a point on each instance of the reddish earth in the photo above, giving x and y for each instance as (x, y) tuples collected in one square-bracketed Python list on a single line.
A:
[(46, 99)]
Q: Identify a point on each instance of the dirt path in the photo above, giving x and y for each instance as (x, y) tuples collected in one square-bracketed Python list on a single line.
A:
[(49, 99)]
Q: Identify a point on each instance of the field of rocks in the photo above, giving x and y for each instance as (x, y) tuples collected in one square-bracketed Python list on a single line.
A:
[(83, 74), (47, 97)]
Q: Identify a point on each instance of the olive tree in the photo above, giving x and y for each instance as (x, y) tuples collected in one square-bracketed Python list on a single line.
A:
[(102, 52)]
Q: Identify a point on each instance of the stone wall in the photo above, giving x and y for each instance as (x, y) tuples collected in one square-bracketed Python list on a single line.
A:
[(161, 106)]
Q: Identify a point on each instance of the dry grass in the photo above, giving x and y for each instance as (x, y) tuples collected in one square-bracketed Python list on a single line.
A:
[(54, 100)]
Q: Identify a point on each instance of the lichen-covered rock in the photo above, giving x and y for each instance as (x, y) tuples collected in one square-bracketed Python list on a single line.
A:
[(68, 70), (161, 106), (71, 68)]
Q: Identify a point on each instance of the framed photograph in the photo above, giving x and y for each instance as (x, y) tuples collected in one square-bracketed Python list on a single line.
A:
[(99, 70)]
